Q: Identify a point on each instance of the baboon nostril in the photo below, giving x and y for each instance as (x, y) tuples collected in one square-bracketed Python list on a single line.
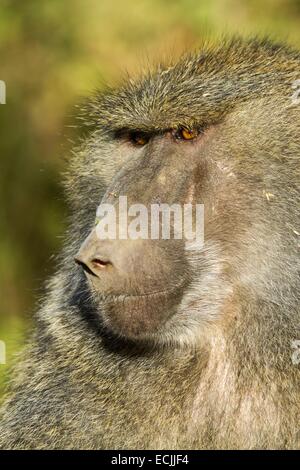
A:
[(84, 266), (92, 264), (100, 263)]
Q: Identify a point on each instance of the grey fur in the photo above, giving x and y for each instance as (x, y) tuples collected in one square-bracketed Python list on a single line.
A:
[(220, 374)]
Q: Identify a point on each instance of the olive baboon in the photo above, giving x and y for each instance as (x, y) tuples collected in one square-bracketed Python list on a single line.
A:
[(153, 344)]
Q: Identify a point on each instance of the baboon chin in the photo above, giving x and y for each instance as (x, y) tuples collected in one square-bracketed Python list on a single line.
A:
[(219, 129)]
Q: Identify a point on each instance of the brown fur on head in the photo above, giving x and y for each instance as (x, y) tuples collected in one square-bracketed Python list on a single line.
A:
[(220, 319)]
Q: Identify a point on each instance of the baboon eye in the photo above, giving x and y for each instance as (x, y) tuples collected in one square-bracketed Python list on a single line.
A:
[(139, 138), (186, 134)]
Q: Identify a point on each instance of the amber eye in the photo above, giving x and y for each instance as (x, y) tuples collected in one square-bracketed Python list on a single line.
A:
[(186, 134), (139, 138)]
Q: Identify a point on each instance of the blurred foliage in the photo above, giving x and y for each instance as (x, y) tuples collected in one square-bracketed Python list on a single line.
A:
[(52, 53)]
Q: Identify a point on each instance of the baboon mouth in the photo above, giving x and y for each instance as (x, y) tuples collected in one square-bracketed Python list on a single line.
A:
[(123, 297), (127, 297)]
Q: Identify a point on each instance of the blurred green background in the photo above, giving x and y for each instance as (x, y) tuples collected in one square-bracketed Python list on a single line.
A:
[(53, 52)]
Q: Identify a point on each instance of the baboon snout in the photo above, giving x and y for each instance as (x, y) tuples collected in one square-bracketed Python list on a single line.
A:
[(131, 266), (92, 258), (136, 292)]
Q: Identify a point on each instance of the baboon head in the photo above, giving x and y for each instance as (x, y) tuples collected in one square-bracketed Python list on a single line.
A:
[(216, 129)]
